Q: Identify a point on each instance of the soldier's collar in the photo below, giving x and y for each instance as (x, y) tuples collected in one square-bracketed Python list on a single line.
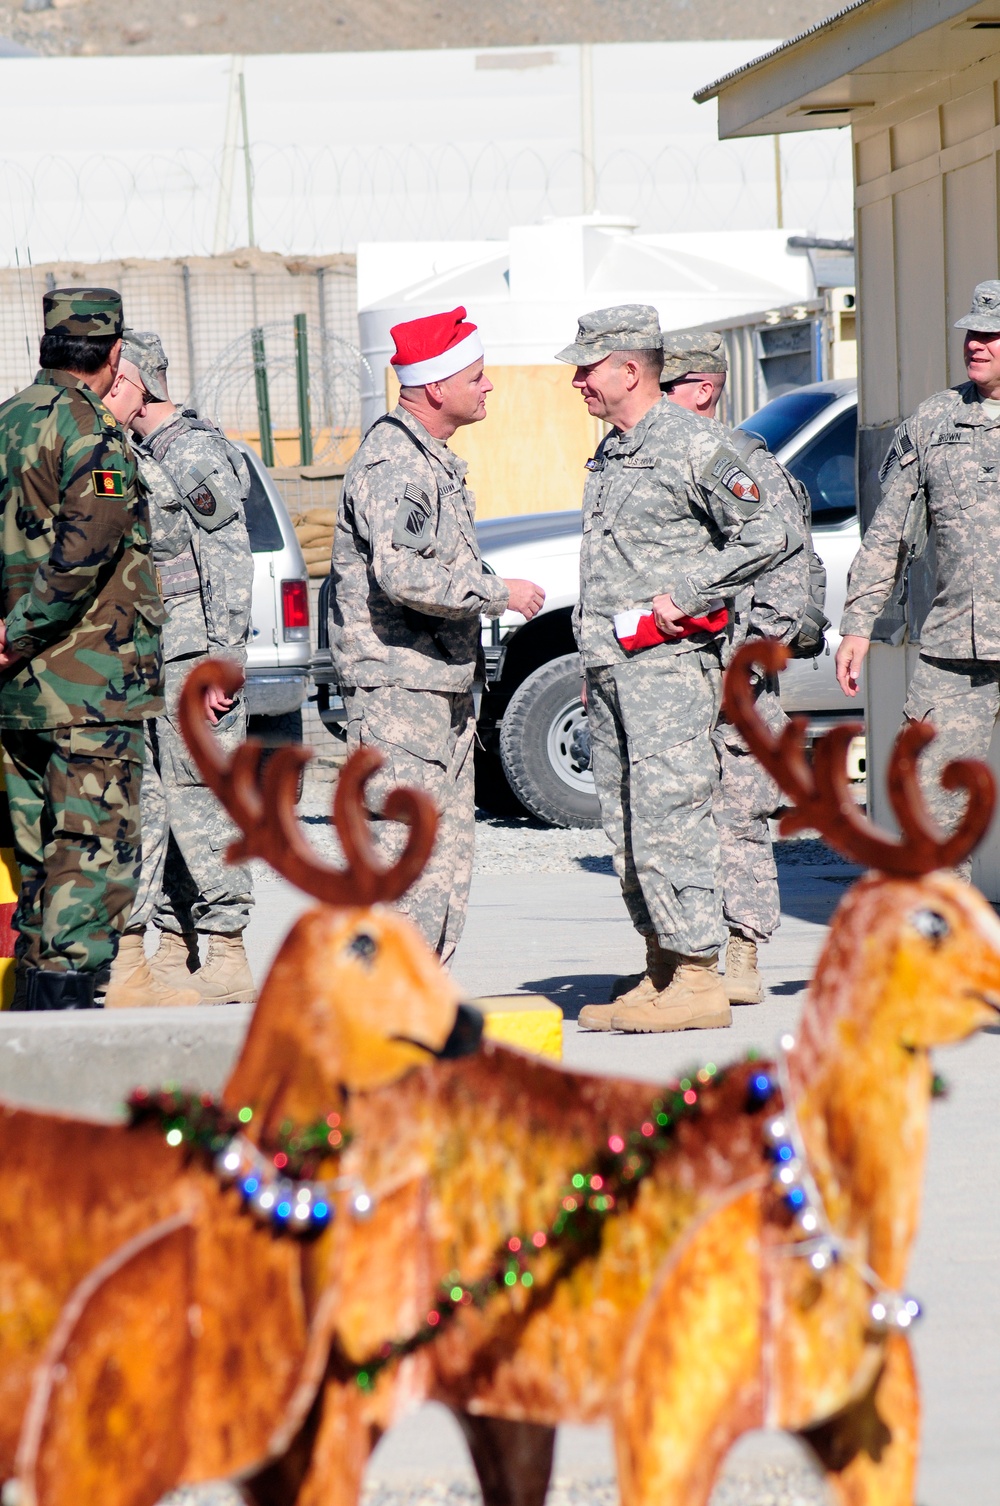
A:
[(972, 414), (47, 377), (437, 447), (628, 441)]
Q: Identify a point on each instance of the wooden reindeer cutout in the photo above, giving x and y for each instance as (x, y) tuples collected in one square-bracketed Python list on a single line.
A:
[(101, 1226), (530, 1245)]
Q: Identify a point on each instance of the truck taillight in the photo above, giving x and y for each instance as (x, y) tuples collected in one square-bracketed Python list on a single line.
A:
[(295, 610)]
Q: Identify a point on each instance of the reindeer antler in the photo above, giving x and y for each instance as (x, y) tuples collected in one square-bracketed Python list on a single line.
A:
[(822, 793), (263, 806)]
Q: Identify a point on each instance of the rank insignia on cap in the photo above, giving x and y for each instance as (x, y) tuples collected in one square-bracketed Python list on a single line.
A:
[(741, 485), (109, 483)]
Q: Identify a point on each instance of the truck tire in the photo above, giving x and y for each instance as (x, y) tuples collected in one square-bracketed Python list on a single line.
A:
[(274, 731), (545, 748)]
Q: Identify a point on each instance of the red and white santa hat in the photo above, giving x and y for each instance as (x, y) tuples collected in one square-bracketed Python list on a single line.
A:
[(430, 349)]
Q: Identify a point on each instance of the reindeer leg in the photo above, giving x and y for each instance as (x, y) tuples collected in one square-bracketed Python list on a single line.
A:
[(513, 1459), (691, 1380), (870, 1450), (325, 1461)]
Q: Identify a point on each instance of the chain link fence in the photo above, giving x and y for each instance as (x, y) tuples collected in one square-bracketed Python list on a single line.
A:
[(206, 310)]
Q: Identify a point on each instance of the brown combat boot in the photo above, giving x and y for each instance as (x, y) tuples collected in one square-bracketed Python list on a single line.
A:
[(225, 977), (660, 966), (133, 985), (743, 982), (694, 999)]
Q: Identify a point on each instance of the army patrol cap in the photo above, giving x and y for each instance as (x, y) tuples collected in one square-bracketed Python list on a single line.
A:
[(704, 353), (83, 313), (984, 316), (629, 326), (145, 350)]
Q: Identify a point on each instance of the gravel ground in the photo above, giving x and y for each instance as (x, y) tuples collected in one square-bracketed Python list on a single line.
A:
[(741, 1484), (246, 26)]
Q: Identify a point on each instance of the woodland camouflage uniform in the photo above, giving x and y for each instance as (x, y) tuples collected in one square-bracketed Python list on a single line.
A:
[(198, 484), (81, 606), (667, 507), (408, 589)]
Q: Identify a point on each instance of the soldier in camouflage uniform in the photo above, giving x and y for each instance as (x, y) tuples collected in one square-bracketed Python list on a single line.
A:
[(408, 591), (942, 468), (673, 520), (79, 653), (197, 484), (774, 606)]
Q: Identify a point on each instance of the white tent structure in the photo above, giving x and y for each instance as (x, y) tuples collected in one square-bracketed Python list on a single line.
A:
[(526, 292), (105, 158)]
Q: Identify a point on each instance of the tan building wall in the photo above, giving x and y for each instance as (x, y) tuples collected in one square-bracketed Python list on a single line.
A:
[(927, 232)]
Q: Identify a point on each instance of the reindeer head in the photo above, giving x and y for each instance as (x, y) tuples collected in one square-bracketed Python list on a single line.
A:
[(355, 997), (921, 947)]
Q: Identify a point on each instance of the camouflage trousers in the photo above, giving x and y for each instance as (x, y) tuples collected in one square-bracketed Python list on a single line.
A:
[(744, 799), (426, 738), (74, 805), (186, 884), (961, 697), (655, 769)]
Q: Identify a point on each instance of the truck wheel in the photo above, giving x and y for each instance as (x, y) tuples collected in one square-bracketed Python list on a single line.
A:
[(545, 747)]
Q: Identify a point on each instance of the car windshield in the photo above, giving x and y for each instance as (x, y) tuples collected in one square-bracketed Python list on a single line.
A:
[(777, 421), (825, 466)]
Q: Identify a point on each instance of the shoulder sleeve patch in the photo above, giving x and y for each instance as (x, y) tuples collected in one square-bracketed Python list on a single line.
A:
[(725, 470), (108, 483), (412, 528), (205, 498), (901, 452)]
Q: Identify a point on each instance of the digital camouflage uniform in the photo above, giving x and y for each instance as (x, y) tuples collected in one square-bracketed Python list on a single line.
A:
[(198, 484), (81, 606), (773, 607), (667, 507), (943, 468), (408, 589)]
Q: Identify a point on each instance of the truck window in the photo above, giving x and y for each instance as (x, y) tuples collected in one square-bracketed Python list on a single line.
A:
[(825, 466), (262, 525)]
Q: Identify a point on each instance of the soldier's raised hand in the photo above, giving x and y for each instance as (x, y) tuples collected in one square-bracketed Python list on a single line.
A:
[(525, 597)]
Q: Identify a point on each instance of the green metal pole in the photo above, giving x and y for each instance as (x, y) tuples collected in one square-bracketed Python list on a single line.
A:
[(302, 383), (263, 397)]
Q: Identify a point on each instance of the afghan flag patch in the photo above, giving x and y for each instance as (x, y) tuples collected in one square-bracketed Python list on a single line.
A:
[(109, 483)]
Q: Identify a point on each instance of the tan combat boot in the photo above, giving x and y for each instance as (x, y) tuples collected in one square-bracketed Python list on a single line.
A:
[(742, 981), (225, 977), (694, 999), (660, 966), (171, 962), (133, 984)]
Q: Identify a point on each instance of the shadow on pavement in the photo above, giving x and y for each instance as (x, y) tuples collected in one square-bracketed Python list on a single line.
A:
[(572, 991)]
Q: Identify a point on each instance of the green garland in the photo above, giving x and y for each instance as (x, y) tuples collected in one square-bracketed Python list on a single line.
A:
[(612, 1180), (200, 1121)]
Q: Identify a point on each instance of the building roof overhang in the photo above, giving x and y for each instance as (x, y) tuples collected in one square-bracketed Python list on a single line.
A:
[(860, 59)]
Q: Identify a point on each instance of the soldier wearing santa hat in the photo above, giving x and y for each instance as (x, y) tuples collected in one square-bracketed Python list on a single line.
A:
[(408, 592)]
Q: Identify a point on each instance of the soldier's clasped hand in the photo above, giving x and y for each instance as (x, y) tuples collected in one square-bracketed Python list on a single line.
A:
[(667, 616)]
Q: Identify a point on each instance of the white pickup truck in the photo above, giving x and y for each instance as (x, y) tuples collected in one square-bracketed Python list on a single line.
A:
[(534, 752)]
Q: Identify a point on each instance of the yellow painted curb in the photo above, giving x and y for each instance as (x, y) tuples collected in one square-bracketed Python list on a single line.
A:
[(529, 1021)]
